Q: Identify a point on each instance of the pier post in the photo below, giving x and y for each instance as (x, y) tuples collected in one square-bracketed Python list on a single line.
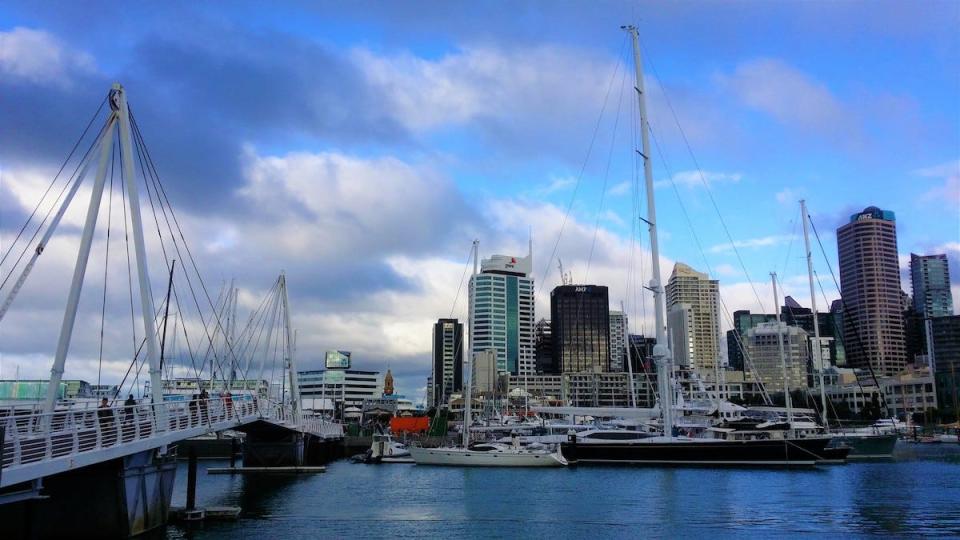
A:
[(233, 452), (192, 479)]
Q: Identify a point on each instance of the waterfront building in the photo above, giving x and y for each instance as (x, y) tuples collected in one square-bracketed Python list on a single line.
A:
[(909, 392), (944, 336), (108, 391), (831, 346), (701, 297), (16, 390), (743, 320), (543, 346), (447, 374), (641, 354), (336, 389), (680, 334), (484, 373), (915, 336), (618, 341), (502, 305), (580, 323), (763, 349), (870, 288), (855, 396), (930, 278), (587, 389)]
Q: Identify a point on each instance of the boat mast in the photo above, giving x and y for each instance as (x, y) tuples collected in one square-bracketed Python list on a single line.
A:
[(817, 347), (783, 357), (661, 350), (468, 358)]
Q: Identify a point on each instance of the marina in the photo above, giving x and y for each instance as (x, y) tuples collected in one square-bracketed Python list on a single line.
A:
[(915, 494)]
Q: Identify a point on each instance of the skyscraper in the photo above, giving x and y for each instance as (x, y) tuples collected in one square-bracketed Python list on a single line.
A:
[(870, 288), (618, 341), (580, 321), (543, 343), (503, 312), (447, 374), (743, 320), (702, 297), (930, 277)]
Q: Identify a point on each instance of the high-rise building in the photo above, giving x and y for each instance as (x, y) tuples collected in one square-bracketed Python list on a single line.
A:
[(502, 304), (930, 277), (945, 348), (338, 388), (641, 355), (680, 334), (870, 289), (763, 348), (447, 374), (580, 322), (543, 344), (743, 320), (618, 341), (702, 297)]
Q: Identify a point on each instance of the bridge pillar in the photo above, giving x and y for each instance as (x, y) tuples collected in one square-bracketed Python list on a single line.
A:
[(268, 450), (119, 498)]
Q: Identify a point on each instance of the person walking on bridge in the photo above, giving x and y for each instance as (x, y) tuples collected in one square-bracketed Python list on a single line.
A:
[(108, 431)]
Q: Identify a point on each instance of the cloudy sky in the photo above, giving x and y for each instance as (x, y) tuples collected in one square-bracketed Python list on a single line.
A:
[(361, 147)]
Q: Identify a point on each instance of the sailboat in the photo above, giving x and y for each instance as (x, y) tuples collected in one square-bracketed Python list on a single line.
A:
[(668, 448), (483, 454)]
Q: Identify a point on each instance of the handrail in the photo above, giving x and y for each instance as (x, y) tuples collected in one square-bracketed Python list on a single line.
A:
[(33, 437)]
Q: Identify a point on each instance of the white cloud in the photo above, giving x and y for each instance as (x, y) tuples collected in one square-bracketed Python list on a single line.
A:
[(787, 94), (694, 179), (764, 241), (787, 196), (39, 57), (947, 193), (621, 188)]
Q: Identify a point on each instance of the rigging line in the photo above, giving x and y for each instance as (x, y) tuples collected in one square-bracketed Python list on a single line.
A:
[(54, 181), (849, 320), (703, 179), (170, 227), (106, 266), (606, 175), (463, 276), (696, 238), (74, 179), (186, 337), (583, 167), (162, 190), (211, 346), (266, 307), (126, 239)]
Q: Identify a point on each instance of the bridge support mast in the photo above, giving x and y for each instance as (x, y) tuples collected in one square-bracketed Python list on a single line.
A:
[(80, 270), (143, 273), (291, 362)]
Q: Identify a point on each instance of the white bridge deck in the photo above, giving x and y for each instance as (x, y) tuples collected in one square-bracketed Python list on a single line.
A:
[(37, 444)]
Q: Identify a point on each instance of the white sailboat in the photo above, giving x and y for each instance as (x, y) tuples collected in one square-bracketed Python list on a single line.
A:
[(484, 454)]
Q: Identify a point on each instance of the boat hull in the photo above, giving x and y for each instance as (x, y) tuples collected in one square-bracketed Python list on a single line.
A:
[(765, 453), (868, 446), (469, 458)]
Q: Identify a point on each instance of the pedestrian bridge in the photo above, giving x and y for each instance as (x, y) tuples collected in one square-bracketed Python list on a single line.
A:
[(37, 444)]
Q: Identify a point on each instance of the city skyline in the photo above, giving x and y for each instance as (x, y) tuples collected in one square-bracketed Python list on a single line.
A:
[(362, 150)]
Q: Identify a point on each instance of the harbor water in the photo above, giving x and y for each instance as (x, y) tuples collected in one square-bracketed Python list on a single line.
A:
[(916, 494)]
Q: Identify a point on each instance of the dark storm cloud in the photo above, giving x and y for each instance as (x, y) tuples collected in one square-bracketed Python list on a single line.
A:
[(198, 102)]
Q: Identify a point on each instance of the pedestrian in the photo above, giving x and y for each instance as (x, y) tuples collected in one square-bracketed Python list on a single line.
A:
[(204, 399), (108, 431), (194, 409), (228, 404), (128, 407)]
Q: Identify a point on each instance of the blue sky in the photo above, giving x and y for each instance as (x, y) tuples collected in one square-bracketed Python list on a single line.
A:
[(361, 147)]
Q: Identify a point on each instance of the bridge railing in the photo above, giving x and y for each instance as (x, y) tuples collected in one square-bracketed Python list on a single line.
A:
[(283, 413), (32, 436)]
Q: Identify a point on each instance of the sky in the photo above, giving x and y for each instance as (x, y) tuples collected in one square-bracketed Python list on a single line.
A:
[(360, 147)]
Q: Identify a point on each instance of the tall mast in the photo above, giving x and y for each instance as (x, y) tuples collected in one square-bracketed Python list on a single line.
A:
[(783, 357), (817, 347), (468, 358), (291, 361), (661, 351)]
